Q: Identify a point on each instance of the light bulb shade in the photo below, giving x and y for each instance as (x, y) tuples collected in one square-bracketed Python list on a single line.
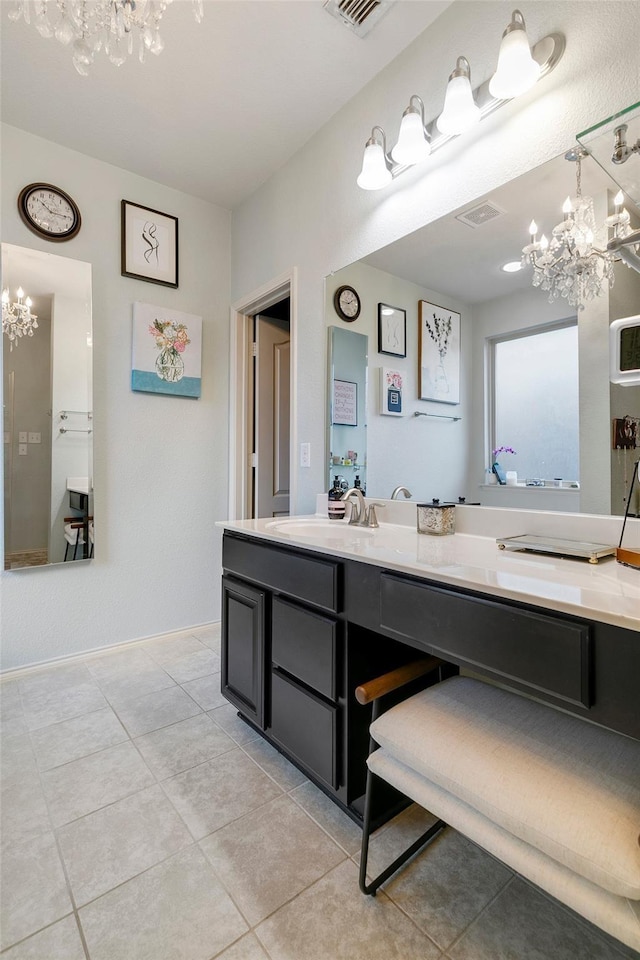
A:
[(375, 173), (412, 145), (460, 110), (517, 71)]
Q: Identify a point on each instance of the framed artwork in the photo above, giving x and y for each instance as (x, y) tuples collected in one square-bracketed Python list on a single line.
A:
[(392, 330), (391, 383), (439, 348), (345, 403), (149, 245), (166, 353)]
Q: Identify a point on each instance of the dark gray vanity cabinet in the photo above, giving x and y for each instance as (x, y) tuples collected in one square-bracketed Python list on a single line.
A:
[(244, 647)]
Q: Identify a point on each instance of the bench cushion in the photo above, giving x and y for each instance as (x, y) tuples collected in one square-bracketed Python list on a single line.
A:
[(563, 785)]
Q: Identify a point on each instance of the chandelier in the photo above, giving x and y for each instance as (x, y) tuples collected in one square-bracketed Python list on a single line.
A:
[(572, 264), (17, 319), (94, 25)]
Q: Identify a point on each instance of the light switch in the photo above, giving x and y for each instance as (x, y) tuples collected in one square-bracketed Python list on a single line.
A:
[(22, 449), (35, 437), (22, 436), (305, 454)]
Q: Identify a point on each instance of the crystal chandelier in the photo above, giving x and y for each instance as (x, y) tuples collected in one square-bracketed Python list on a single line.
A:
[(17, 319), (572, 264), (94, 25)]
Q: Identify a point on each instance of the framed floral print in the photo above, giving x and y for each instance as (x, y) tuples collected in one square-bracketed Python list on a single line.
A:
[(439, 349)]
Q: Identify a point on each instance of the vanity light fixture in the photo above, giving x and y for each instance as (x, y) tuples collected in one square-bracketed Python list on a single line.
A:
[(572, 264), (17, 319), (460, 109), (517, 71), (92, 25), (463, 107)]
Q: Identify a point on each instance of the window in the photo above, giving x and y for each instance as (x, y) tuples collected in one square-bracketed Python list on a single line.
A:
[(535, 401)]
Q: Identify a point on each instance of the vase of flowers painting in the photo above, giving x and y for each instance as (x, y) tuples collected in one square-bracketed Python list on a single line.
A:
[(171, 340)]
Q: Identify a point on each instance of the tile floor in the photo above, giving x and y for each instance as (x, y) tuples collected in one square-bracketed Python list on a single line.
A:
[(142, 820)]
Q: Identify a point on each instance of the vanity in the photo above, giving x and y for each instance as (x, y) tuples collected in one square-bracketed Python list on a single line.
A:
[(312, 608)]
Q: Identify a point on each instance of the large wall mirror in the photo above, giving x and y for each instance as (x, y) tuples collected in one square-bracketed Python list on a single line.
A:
[(452, 267), (47, 409), (347, 409)]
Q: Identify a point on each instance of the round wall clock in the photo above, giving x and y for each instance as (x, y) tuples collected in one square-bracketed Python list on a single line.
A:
[(347, 303), (49, 211)]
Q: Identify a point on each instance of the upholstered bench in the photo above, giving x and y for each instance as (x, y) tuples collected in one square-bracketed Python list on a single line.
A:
[(554, 797)]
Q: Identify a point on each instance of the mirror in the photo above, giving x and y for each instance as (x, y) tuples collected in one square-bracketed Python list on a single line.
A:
[(454, 266), (347, 411), (47, 411)]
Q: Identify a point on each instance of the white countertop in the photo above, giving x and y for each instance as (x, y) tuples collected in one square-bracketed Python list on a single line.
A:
[(607, 591)]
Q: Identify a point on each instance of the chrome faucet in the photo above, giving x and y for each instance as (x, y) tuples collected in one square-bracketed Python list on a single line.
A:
[(358, 509), (399, 490)]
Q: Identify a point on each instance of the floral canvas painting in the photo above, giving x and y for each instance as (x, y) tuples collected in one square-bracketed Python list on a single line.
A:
[(167, 351), (439, 353), (391, 382)]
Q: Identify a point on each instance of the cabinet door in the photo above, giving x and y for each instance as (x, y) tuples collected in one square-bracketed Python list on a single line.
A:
[(243, 648)]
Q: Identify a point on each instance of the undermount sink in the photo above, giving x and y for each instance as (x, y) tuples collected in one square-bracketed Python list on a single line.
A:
[(318, 528)]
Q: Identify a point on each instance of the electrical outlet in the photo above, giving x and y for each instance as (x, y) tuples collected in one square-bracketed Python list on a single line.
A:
[(22, 436), (35, 438), (22, 449), (305, 454)]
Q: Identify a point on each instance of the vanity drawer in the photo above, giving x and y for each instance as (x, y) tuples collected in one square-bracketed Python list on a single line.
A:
[(543, 653), (298, 574), (305, 726), (304, 645)]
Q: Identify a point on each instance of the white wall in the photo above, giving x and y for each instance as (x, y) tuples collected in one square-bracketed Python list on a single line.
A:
[(428, 456), (160, 463), (311, 213)]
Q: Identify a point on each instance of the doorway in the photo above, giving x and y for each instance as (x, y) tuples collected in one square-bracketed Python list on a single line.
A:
[(262, 402)]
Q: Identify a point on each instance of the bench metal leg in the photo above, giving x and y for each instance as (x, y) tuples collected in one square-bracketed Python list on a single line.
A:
[(422, 841)]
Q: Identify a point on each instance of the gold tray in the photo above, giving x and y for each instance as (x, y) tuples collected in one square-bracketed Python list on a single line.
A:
[(562, 548)]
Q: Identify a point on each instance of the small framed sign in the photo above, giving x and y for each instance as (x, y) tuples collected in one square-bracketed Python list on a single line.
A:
[(345, 403), (149, 245)]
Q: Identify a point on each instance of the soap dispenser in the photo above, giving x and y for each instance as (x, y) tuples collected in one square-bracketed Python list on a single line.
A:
[(335, 503)]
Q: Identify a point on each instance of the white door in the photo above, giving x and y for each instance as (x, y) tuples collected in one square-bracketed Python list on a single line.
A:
[(271, 418)]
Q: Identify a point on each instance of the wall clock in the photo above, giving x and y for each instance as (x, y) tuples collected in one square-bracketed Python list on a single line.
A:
[(347, 303), (49, 211)]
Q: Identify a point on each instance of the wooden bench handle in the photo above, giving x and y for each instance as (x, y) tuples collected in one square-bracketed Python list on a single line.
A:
[(377, 687)]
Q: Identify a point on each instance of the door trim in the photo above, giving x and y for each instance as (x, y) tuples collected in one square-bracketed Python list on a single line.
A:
[(240, 323)]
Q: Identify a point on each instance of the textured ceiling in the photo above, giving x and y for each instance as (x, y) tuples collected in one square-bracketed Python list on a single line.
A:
[(226, 103)]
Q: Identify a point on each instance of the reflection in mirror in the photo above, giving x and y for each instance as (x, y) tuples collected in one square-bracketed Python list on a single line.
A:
[(347, 411), (446, 451), (47, 412)]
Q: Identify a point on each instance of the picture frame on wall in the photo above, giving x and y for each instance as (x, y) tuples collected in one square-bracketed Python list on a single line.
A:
[(391, 385), (149, 244), (392, 330), (345, 403), (439, 353)]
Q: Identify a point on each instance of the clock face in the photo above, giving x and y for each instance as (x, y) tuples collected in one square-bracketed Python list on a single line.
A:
[(347, 303), (49, 211)]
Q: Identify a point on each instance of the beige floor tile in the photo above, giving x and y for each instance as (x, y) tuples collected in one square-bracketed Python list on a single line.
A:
[(523, 923), (13, 727), (119, 663), (61, 941), (58, 678), (227, 717), (183, 745), (330, 817), (156, 710), (33, 889), (177, 910), (17, 760), (166, 650), (219, 791), (445, 887), (206, 691), (23, 810), (10, 700), (117, 842), (247, 948), (274, 764), (332, 920), (269, 856), (43, 706), (71, 739), (85, 785), (121, 688), (194, 666), (210, 635)]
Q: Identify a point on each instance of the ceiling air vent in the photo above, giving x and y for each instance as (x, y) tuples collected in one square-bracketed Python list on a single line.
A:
[(359, 15), (478, 216)]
